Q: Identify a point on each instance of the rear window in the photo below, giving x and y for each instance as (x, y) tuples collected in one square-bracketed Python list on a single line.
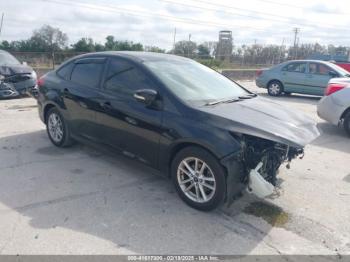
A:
[(65, 71), (87, 74)]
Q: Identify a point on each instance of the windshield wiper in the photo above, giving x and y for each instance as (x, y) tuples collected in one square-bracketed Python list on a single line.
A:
[(230, 100)]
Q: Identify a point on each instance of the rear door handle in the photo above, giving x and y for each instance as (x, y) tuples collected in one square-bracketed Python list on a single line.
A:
[(66, 92), (106, 106)]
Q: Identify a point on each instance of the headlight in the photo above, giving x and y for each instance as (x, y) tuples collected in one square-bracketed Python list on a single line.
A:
[(33, 75)]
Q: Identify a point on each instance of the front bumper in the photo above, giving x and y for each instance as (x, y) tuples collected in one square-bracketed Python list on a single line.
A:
[(8, 91)]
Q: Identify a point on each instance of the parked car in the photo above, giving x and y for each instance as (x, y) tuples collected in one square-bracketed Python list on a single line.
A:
[(209, 134), (18, 78), (299, 76), (334, 107)]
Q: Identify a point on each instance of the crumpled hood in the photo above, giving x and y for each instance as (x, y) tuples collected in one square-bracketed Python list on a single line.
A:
[(266, 119), (9, 70)]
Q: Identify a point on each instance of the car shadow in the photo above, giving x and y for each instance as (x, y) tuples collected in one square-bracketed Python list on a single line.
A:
[(116, 199), (294, 98), (332, 137)]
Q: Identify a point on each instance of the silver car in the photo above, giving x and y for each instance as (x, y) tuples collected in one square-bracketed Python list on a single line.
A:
[(334, 107), (299, 76)]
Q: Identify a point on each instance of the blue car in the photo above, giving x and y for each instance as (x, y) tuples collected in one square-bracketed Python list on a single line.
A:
[(299, 76)]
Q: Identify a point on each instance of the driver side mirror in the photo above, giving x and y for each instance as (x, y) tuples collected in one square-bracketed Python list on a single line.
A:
[(146, 96), (333, 74)]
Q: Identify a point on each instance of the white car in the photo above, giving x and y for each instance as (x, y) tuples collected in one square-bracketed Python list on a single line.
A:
[(334, 107)]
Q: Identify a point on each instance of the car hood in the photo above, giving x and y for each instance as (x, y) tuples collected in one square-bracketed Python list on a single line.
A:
[(266, 119), (9, 70)]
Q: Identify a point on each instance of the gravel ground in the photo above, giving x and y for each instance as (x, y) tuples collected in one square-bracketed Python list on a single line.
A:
[(83, 201)]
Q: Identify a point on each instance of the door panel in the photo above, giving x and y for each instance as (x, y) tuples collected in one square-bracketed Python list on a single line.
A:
[(293, 77), (80, 96), (317, 78), (128, 125)]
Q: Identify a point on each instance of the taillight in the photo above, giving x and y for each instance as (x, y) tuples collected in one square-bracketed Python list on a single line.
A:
[(259, 73), (332, 88), (40, 82)]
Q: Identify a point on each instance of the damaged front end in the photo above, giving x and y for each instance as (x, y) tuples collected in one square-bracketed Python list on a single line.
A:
[(261, 160), (256, 166), (7, 90)]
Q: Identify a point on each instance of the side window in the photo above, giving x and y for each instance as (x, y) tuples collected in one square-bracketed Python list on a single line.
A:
[(295, 67), (87, 74), (320, 69), (124, 78), (65, 71)]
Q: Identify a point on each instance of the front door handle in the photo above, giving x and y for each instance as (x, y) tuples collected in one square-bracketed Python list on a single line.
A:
[(106, 106)]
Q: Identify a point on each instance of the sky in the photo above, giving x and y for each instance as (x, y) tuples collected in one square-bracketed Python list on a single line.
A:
[(153, 22)]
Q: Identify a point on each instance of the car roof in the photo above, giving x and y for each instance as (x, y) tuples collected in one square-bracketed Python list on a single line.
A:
[(138, 56), (309, 61)]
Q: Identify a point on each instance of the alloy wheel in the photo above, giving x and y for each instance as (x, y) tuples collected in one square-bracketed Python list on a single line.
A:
[(196, 179), (55, 127)]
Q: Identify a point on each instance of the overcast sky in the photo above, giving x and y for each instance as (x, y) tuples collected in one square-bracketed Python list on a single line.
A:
[(152, 22)]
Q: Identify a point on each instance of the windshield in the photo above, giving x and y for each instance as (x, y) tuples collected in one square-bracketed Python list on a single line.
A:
[(8, 59), (191, 81)]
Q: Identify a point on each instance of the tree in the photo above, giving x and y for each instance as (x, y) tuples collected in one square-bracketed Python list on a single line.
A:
[(154, 49), (48, 38), (110, 44), (203, 52), (84, 45), (185, 48)]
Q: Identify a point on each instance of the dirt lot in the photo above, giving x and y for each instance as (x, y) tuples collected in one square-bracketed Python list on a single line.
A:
[(83, 201)]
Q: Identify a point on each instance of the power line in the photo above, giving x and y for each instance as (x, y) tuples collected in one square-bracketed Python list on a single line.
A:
[(302, 7), (109, 8), (312, 24)]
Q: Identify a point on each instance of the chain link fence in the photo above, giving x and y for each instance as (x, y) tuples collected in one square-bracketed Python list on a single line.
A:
[(239, 67)]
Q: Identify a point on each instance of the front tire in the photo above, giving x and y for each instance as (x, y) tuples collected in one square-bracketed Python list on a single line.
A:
[(275, 88), (347, 123), (199, 178), (57, 129)]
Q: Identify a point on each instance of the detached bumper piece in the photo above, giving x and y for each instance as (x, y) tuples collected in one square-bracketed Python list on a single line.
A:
[(257, 185)]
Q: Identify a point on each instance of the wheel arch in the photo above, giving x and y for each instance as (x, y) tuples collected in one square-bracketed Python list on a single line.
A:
[(181, 145), (344, 113), (47, 108)]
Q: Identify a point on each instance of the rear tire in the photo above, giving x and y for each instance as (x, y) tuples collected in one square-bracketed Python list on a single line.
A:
[(275, 88), (199, 178), (57, 128), (347, 123)]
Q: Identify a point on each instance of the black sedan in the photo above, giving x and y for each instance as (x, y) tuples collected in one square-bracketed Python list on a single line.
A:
[(15, 78), (210, 135)]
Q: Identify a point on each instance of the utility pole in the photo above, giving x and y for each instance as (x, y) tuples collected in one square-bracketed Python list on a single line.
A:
[(2, 20), (189, 43), (281, 48), (296, 31), (174, 41)]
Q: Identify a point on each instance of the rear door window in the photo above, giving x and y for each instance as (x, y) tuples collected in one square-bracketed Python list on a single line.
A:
[(299, 67), (87, 74), (65, 71)]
